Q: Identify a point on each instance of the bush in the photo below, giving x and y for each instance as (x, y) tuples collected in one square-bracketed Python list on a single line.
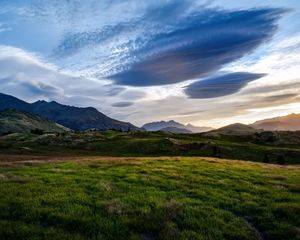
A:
[(6, 133), (37, 131), (266, 158), (216, 151), (281, 159)]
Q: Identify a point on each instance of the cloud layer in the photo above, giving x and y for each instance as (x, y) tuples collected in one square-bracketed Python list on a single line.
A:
[(199, 46), (220, 85)]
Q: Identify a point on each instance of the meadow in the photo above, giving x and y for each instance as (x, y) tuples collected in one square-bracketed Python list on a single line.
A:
[(140, 144), (46, 197)]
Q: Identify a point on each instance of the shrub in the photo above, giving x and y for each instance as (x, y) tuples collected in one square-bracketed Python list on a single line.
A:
[(281, 159), (266, 158), (37, 131), (6, 133), (216, 151)]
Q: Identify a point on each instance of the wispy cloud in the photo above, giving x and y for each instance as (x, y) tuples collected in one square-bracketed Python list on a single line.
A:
[(4, 28)]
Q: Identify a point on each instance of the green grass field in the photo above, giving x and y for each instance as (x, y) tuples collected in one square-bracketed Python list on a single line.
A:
[(148, 198), (140, 144)]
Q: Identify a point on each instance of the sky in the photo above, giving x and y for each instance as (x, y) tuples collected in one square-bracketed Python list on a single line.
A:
[(208, 63)]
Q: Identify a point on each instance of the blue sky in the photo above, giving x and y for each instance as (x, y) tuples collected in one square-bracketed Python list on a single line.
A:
[(201, 62)]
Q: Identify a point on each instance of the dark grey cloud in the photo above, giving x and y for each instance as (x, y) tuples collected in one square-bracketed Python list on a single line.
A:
[(220, 85), (199, 45), (114, 91), (122, 104)]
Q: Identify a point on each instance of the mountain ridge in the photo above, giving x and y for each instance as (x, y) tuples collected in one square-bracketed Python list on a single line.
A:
[(76, 118)]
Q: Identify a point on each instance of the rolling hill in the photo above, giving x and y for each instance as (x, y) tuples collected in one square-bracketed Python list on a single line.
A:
[(236, 129), (75, 118), (16, 121), (285, 123)]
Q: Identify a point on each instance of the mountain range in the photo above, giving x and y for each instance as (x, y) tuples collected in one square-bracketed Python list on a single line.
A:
[(284, 123), (75, 118), (175, 127)]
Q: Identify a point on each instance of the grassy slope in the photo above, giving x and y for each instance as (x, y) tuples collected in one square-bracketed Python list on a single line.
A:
[(18, 121), (170, 198), (112, 143)]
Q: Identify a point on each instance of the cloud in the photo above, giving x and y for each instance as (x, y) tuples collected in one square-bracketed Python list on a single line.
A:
[(122, 104), (150, 44), (260, 102), (4, 28), (275, 98), (24, 74), (220, 85), (20, 81), (74, 42), (213, 112), (202, 44), (141, 14), (133, 95), (114, 91), (292, 85), (28, 77)]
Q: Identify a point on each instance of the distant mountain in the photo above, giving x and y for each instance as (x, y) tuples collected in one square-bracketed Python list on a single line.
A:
[(75, 118), (196, 129), (162, 125), (175, 130), (156, 126), (285, 123), (16, 121), (236, 129)]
